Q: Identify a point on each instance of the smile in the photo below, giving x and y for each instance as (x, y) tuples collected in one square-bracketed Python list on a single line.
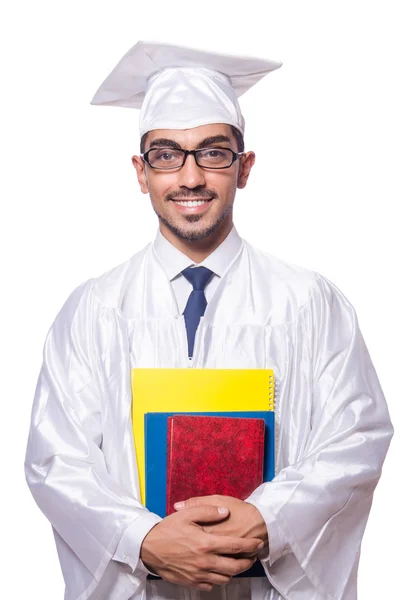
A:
[(192, 207), (191, 203)]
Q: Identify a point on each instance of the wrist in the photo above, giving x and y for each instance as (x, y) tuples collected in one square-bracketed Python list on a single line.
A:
[(147, 552), (259, 529)]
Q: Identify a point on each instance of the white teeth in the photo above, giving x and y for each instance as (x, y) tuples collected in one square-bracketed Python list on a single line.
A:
[(191, 203)]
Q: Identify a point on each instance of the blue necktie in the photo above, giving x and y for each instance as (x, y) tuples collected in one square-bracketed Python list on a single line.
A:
[(196, 304)]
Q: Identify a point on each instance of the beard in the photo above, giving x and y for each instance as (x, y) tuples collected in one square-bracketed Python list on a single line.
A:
[(199, 234)]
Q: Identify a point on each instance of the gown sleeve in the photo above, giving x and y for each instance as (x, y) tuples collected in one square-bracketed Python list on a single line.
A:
[(66, 471), (318, 507)]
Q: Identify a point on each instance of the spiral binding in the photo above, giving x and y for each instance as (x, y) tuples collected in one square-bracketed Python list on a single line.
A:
[(271, 392), (276, 409)]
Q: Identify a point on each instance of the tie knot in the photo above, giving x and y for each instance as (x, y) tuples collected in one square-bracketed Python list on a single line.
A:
[(198, 276)]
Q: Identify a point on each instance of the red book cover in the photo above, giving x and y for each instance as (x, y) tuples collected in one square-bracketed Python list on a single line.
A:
[(213, 455)]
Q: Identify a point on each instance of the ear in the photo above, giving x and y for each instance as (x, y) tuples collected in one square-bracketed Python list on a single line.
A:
[(247, 161), (139, 165)]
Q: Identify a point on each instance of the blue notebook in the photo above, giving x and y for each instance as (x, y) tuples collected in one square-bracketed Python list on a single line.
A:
[(156, 460), (156, 453)]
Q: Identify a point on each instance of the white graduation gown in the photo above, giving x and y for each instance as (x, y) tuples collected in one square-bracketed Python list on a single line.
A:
[(332, 423)]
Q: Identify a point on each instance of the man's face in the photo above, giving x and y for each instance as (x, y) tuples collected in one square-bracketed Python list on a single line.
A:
[(217, 188)]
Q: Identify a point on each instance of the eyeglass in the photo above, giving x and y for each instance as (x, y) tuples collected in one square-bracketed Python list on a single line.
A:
[(172, 158)]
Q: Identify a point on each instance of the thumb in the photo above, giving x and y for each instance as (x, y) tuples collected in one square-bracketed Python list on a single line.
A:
[(214, 500), (205, 514)]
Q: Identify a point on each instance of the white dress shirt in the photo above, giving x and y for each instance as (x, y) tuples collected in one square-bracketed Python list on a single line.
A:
[(174, 261)]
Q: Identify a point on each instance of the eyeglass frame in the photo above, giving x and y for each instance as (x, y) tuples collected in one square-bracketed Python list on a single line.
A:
[(236, 155)]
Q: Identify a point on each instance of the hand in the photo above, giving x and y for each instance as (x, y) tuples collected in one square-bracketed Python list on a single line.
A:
[(180, 551), (244, 521)]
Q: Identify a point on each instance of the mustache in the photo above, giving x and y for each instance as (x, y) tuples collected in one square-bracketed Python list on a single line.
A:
[(205, 194)]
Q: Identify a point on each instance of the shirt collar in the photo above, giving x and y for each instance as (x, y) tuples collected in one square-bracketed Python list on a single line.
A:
[(174, 261)]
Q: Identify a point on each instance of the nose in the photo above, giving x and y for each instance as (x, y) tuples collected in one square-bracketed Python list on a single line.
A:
[(191, 175)]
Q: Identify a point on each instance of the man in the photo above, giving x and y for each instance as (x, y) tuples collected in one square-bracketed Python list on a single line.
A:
[(251, 311)]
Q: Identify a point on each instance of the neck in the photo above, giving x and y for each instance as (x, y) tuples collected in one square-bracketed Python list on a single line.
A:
[(198, 250)]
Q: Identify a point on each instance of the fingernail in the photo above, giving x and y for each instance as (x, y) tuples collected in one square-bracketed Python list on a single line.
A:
[(223, 511), (260, 546), (179, 505)]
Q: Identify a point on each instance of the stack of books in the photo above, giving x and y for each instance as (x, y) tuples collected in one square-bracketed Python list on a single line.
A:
[(200, 432)]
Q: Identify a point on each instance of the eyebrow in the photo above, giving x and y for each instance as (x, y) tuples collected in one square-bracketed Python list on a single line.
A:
[(205, 143)]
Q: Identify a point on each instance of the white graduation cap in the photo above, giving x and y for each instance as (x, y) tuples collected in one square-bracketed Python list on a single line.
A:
[(180, 88)]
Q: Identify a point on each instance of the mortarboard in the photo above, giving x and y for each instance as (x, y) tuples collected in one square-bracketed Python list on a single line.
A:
[(179, 88)]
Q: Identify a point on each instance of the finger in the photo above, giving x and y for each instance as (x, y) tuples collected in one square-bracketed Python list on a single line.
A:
[(216, 578), (214, 500), (223, 544), (205, 587), (232, 566), (205, 514)]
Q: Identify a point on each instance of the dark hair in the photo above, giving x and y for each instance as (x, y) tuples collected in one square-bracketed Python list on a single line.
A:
[(238, 136)]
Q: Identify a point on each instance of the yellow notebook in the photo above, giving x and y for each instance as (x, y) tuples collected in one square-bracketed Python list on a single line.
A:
[(195, 390)]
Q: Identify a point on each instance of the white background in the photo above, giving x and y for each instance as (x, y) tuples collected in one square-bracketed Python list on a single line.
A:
[(322, 195)]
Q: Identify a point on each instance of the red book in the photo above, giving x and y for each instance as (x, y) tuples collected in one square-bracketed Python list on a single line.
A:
[(213, 455)]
